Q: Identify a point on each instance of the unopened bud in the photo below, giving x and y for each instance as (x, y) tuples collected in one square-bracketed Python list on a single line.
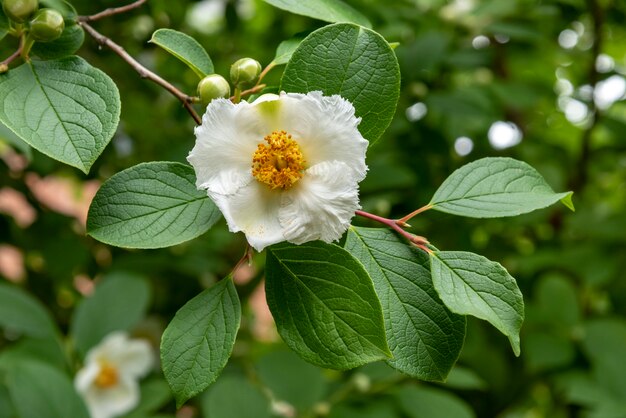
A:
[(245, 71), (47, 25), (19, 10), (212, 87)]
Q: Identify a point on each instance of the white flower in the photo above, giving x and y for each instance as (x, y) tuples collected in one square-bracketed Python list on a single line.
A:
[(108, 381), (282, 168)]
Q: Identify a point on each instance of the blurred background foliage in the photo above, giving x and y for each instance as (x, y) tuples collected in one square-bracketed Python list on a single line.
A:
[(538, 80)]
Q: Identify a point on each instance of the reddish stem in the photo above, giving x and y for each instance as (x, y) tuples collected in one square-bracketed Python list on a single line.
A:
[(403, 221), (418, 241), (4, 65)]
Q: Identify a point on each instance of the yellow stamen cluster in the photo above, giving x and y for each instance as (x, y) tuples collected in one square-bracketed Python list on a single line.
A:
[(280, 163), (107, 377)]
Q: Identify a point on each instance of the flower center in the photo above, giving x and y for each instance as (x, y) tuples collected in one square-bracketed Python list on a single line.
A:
[(280, 163), (107, 377)]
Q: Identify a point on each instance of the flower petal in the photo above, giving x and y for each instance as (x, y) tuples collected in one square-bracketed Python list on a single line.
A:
[(136, 360), (225, 143), (325, 128), (112, 343), (113, 401), (132, 357), (86, 376), (253, 209), (321, 205)]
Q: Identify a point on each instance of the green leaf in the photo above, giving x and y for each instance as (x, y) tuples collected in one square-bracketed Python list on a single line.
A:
[(151, 205), (4, 25), (285, 50), (6, 407), (372, 408), (465, 379), (66, 108), (47, 350), (547, 350), (119, 302), (67, 44), (155, 393), (324, 305), (39, 390), (425, 338), (495, 187), (196, 345), (603, 343), (18, 143), (332, 11), (291, 379), (427, 402), (186, 49), (351, 61), (20, 312), (470, 284), (67, 9), (235, 397)]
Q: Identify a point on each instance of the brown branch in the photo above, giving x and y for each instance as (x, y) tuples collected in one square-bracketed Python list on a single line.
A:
[(4, 65), (143, 71), (112, 11)]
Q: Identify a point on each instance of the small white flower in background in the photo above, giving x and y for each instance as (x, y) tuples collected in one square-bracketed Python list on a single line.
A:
[(108, 382), (282, 168)]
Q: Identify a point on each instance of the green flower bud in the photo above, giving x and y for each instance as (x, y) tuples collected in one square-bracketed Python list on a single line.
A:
[(244, 71), (212, 87), (19, 10), (47, 25)]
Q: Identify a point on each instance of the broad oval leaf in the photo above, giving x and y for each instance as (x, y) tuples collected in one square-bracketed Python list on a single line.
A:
[(332, 11), (68, 43), (151, 205), (186, 49), (425, 338), (353, 62), (39, 390), (430, 402), (198, 342), (324, 305), (16, 142), (235, 397), (49, 350), (285, 51), (495, 187), (66, 108), (470, 284), (119, 302), (292, 379), (21, 312)]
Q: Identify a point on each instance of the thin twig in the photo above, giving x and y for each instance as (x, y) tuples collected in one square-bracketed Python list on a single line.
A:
[(112, 11), (403, 221), (245, 258), (5, 64), (420, 242), (244, 93), (264, 73), (143, 71)]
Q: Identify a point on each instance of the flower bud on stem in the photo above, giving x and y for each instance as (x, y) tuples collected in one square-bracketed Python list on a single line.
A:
[(244, 72)]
